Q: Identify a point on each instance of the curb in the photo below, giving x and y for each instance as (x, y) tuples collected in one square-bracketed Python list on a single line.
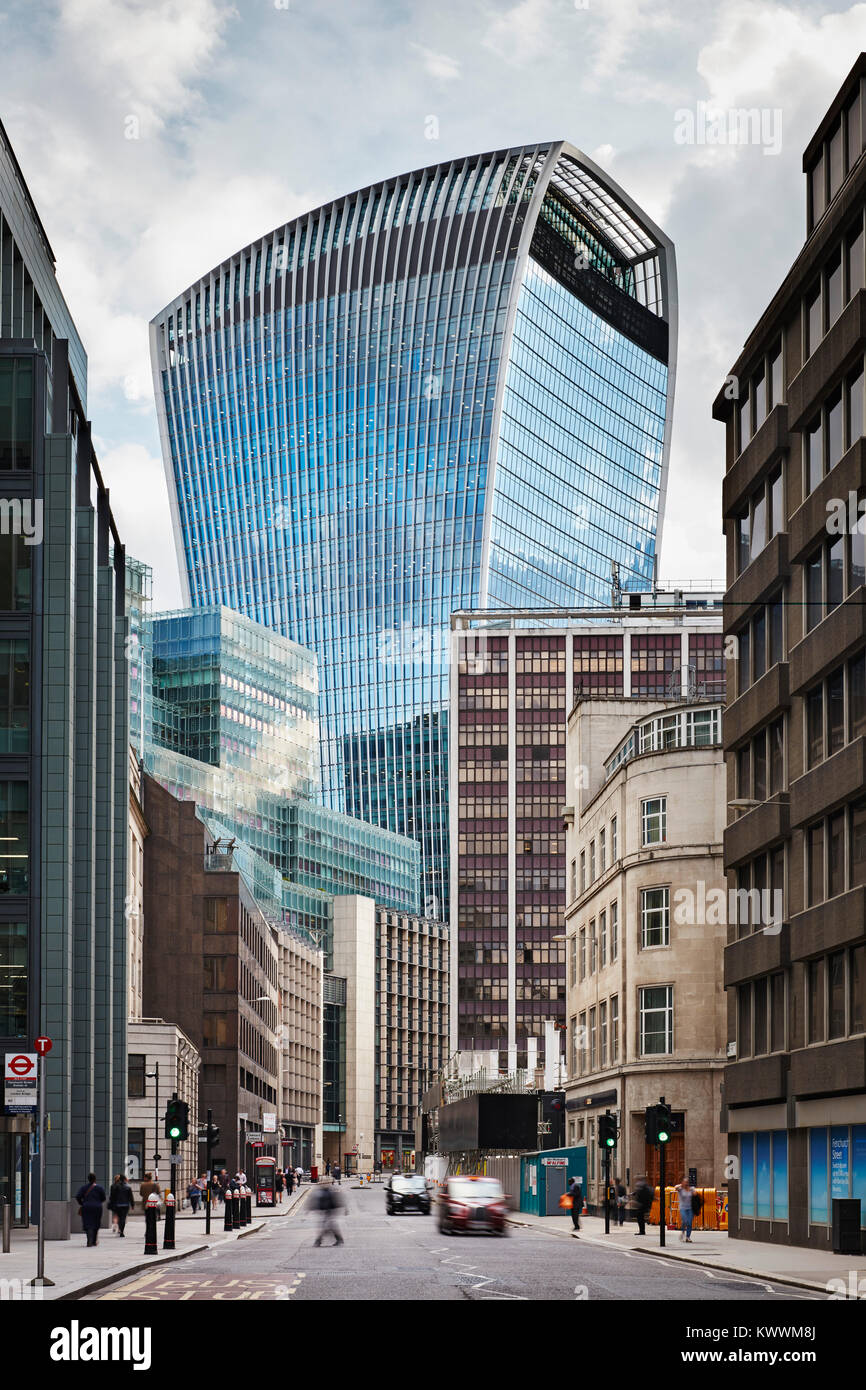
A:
[(760, 1277)]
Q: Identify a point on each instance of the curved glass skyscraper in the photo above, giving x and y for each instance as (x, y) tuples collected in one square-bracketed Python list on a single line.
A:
[(452, 389)]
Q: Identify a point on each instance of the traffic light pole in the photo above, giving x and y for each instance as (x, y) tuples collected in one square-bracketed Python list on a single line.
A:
[(172, 1167), (607, 1192), (662, 1148), (209, 1160)]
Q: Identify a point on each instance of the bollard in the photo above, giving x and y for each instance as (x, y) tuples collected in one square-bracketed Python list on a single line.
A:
[(227, 1224), (241, 1205), (151, 1211), (7, 1225), (236, 1209), (249, 1192), (168, 1234)]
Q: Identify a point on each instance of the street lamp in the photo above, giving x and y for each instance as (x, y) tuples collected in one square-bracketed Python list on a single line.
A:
[(156, 1156)]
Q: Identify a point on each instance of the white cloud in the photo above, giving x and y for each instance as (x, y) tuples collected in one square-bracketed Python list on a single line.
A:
[(437, 64), (521, 33)]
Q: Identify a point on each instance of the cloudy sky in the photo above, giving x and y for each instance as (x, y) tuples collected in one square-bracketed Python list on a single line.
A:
[(249, 113)]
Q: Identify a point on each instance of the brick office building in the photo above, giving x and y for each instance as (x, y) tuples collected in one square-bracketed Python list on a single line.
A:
[(795, 727)]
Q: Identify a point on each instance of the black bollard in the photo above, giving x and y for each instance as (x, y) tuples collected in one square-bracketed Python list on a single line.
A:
[(168, 1233), (151, 1211), (228, 1224), (236, 1209), (241, 1203), (249, 1205)]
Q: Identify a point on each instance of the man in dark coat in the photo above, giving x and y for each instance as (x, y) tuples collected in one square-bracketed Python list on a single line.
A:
[(91, 1199)]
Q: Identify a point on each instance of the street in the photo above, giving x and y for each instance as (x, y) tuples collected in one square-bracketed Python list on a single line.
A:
[(404, 1258)]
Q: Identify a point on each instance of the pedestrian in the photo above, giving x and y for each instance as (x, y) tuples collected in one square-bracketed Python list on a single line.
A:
[(575, 1192), (328, 1169), (193, 1192), (686, 1194), (621, 1195), (120, 1199), (147, 1187), (641, 1202), (299, 1174), (91, 1199), (328, 1202), (279, 1184), (336, 1174)]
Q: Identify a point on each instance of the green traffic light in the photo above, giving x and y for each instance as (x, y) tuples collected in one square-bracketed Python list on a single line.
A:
[(174, 1132), (610, 1143), (663, 1137)]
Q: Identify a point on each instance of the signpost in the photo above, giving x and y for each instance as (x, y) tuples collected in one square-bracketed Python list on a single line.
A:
[(25, 1095)]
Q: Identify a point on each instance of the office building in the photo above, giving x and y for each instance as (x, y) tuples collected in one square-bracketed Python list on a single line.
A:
[(515, 678), (795, 727), (450, 389), (646, 908), (64, 786), (162, 1061)]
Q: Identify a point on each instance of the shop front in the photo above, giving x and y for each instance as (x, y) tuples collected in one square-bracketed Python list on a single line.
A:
[(15, 1170)]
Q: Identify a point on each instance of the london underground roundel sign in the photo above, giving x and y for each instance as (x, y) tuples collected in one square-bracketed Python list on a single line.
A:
[(21, 1065)]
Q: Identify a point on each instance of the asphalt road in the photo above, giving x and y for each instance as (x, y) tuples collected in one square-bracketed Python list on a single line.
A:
[(397, 1258)]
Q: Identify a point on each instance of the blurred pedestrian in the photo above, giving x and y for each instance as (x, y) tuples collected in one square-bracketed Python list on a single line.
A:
[(336, 1174), (575, 1192), (621, 1196), (120, 1199), (147, 1187), (328, 1202), (685, 1194), (91, 1199), (193, 1192), (279, 1184), (641, 1201)]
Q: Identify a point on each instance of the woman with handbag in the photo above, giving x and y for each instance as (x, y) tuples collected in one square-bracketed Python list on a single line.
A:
[(120, 1199)]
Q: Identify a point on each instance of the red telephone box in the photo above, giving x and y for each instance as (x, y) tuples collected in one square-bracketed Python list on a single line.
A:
[(265, 1169)]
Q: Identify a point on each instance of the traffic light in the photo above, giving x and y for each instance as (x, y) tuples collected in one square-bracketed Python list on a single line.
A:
[(659, 1124), (177, 1120), (607, 1131), (213, 1135)]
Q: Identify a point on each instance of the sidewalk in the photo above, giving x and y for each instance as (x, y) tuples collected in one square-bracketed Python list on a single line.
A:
[(783, 1264), (77, 1270)]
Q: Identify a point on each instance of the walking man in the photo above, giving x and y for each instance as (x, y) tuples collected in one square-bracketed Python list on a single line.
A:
[(575, 1192), (620, 1201), (91, 1199), (328, 1203), (643, 1200)]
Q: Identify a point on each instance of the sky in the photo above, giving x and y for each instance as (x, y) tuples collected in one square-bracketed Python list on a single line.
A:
[(157, 137)]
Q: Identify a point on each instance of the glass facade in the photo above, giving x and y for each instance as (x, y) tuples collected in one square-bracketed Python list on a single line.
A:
[(444, 391)]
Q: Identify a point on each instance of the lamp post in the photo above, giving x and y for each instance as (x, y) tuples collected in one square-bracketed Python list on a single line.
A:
[(156, 1155)]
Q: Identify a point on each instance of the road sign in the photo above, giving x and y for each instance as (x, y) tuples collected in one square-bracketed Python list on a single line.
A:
[(43, 1045), (269, 1123), (254, 1136), (20, 1075), (175, 1158)]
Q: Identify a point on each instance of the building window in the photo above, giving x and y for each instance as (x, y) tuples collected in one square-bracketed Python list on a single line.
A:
[(583, 953), (573, 880), (135, 1159), (572, 957), (14, 695), (614, 851), (614, 931), (216, 914), (136, 1085), (602, 939), (593, 1040), (215, 1031), (614, 1028), (764, 1175), (215, 974), (16, 413), (582, 1042), (583, 871), (602, 851), (13, 979), (592, 861), (593, 949), (14, 837), (656, 1017), (654, 814), (655, 911), (602, 1034), (837, 1168), (14, 574)]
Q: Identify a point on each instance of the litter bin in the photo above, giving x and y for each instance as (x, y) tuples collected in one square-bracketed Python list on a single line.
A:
[(314, 1175)]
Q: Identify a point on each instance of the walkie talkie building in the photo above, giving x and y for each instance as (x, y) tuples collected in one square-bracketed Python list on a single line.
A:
[(452, 389)]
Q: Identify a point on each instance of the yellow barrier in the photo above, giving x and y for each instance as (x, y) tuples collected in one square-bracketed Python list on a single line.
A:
[(713, 1215)]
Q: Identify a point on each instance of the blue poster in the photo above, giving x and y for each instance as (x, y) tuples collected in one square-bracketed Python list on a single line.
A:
[(762, 1147), (839, 1161), (818, 1177), (858, 1168), (780, 1175), (747, 1175)]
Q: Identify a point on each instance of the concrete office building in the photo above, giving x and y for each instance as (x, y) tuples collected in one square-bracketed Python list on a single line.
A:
[(64, 777), (453, 388), (302, 1013), (392, 969), (514, 679), (134, 901), (645, 925), (795, 727), (161, 1060)]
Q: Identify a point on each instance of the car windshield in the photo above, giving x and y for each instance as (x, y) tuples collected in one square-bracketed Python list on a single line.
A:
[(408, 1184), (485, 1188)]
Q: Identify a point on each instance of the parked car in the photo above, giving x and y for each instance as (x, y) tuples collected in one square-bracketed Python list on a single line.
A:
[(472, 1204), (406, 1192)]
